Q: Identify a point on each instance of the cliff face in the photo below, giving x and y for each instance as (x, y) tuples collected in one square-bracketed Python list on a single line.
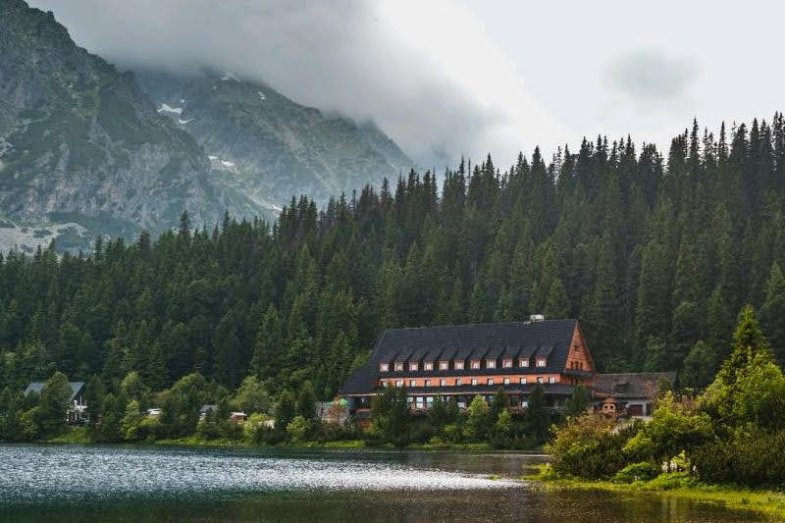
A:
[(270, 147), (80, 142)]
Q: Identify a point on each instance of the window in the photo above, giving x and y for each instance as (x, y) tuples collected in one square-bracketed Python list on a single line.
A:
[(428, 365), (427, 383), (442, 383), (413, 367), (419, 402), (475, 364), (458, 382), (474, 382), (490, 381), (412, 383), (539, 379), (523, 381), (398, 367), (384, 367), (506, 381), (399, 383), (444, 365), (542, 362), (458, 364), (523, 362), (507, 364), (428, 402), (490, 364), (552, 380), (525, 404), (462, 404)]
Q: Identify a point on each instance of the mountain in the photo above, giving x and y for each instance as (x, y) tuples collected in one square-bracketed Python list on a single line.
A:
[(83, 150), (270, 147)]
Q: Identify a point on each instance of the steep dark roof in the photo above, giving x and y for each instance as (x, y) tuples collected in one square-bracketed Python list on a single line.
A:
[(631, 385), (550, 338), (38, 386)]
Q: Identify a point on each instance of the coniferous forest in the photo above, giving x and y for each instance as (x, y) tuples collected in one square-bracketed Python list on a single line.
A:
[(655, 252)]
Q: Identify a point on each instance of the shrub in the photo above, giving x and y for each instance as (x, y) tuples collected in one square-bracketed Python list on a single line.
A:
[(641, 471)]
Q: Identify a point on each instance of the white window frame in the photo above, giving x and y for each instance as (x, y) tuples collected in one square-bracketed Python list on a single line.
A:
[(475, 364), (444, 365), (490, 364), (458, 382), (506, 381), (459, 364), (523, 362), (398, 366), (542, 362), (399, 383), (489, 382), (523, 381), (507, 363), (474, 382), (540, 380), (428, 365), (412, 383), (413, 366), (384, 367), (427, 383), (551, 380)]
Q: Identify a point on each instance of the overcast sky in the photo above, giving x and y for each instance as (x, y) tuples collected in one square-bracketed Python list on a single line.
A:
[(446, 78)]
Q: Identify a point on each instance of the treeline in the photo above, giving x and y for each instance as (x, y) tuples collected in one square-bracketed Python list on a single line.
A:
[(654, 254), (732, 433), (129, 411)]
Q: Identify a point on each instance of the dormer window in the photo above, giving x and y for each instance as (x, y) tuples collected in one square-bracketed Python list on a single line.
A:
[(523, 362), (490, 364), (507, 364), (475, 364), (413, 367), (444, 365), (542, 362), (458, 364), (428, 365), (384, 367), (399, 367)]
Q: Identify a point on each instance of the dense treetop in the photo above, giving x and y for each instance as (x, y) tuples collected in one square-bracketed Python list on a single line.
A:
[(654, 254)]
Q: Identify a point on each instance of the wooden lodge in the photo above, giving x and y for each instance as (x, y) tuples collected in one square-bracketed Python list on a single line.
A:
[(462, 361)]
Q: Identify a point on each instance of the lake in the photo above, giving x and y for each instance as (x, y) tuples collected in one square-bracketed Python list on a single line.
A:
[(99, 483)]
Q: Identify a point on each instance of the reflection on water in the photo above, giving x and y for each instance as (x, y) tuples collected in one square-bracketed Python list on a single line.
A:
[(48, 483)]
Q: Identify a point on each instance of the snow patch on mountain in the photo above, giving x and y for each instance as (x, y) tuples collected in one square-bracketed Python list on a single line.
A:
[(166, 108)]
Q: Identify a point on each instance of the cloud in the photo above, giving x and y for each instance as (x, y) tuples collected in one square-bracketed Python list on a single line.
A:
[(427, 73), (650, 75)]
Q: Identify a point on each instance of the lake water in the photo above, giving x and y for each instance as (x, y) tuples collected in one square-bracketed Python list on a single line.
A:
[(94, 483)]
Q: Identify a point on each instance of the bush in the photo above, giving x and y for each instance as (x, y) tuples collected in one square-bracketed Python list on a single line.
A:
[(641, 471), (298, 428), (589, 447)]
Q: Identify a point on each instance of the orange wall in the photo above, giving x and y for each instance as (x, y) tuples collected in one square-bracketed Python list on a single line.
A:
[(579, 353), (498, 379)]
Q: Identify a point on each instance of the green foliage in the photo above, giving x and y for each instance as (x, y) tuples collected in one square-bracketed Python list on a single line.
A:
[(589, 447), (180, 405), (579, 402), (640, 471), (391, 417), (252, 397), (298, 429), (477, 420), (53, 405)]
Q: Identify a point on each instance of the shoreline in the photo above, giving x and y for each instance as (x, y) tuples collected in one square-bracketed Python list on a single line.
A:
[(79, 436), (769, 503)]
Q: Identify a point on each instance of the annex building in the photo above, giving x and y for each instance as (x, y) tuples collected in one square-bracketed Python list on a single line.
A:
[(462, 361)]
